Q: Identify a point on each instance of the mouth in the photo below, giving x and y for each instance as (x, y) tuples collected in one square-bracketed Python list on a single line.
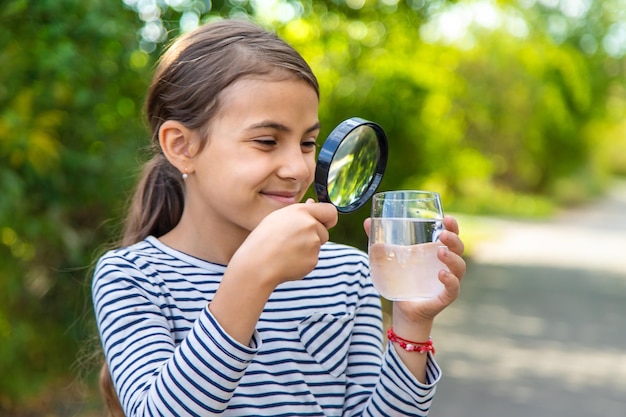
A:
[(283, 197)]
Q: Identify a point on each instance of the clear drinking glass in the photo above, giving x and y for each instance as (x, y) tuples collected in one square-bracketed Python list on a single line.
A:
[(403, 244)]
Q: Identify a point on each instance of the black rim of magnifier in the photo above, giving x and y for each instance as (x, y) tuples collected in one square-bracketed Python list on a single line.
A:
[(327, 153)]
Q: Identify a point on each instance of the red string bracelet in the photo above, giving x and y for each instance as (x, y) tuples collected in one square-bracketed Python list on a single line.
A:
[(409, 345)]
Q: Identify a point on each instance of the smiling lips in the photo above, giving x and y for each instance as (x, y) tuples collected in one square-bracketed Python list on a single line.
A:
[(284, 197)]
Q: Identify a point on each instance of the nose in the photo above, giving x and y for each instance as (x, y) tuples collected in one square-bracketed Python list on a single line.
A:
[(296, 164)]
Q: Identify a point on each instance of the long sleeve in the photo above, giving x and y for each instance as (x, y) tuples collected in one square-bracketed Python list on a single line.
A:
[(396, 390), (317, 349), (152, 374)]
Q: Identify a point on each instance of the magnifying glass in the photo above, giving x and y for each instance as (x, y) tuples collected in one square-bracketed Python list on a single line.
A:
[(351, 164)]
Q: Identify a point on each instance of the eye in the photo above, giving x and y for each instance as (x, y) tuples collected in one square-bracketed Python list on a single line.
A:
[(310, 145), (265, 142)]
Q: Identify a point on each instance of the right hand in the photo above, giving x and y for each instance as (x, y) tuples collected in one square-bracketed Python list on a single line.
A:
[(285, 245)]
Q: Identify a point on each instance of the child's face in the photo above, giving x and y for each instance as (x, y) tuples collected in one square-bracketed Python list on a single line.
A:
[(260, 153)]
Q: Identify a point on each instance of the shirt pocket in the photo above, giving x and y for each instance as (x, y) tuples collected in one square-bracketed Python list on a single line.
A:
[(326, 337)]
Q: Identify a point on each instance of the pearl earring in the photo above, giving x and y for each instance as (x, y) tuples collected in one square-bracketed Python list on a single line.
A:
[(185, 176)]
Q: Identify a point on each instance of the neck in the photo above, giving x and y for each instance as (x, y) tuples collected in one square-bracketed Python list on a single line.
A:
[(205, 241)]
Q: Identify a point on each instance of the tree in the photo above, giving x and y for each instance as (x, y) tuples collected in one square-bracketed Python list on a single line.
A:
[(71, 80)]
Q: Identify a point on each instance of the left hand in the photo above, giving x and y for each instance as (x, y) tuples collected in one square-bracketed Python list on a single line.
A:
[(408, 313)]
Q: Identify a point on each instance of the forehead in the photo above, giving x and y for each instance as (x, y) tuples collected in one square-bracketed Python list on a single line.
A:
[(265, 96), (276, 77)]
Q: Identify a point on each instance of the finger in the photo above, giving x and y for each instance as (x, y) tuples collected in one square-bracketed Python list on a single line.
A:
[(451, 224), (452, 287), (452, 241), (323, 234), (324, 213), (367, 224), (454, 262)]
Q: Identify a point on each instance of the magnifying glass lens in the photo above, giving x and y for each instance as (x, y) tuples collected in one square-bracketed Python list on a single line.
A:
[(351, 164)]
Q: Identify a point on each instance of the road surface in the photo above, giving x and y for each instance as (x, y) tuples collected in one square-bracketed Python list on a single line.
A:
[(540, 326)]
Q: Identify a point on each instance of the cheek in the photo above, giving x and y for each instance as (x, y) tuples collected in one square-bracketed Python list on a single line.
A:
[(312, 163)]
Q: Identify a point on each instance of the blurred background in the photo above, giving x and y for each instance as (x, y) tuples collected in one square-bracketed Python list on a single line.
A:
[(515, 110)]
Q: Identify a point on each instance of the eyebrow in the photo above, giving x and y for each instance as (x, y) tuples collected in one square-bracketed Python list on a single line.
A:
[(280, 127)]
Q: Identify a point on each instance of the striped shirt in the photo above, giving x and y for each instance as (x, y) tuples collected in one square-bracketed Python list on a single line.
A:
[(317, 349)]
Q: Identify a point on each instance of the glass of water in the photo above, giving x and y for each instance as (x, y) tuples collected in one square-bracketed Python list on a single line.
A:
[(403, 244)]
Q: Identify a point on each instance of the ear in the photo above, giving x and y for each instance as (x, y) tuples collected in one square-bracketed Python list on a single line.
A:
[(178, 144)]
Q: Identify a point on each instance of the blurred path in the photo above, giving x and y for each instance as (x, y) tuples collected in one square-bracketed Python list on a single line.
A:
[(540, 327), (591, 237)]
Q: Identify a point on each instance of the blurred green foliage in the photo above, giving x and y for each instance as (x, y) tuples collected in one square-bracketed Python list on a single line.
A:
[(71, 89), (512, 116)]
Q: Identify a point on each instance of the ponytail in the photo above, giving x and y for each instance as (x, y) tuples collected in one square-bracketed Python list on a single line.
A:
[(112, 403), (158, 202), (156, 207)]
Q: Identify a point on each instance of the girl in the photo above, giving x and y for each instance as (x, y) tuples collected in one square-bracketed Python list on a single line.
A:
[(226, 297)]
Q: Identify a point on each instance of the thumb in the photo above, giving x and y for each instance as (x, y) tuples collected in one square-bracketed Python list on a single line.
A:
[(367, 223), (324, 213)]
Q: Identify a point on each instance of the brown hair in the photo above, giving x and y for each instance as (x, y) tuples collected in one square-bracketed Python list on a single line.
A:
[(186, 87)]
